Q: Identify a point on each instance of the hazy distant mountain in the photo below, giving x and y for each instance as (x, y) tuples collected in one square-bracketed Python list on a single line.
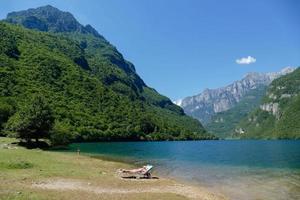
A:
[(211, 101), (223, 124)]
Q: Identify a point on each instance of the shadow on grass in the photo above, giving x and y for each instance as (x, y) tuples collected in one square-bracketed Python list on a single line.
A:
[(34, 145)]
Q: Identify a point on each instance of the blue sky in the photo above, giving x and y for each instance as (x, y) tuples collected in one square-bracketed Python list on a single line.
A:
[(182, 47)]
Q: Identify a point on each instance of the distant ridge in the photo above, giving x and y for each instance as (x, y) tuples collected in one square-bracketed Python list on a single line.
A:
[(211, 101)]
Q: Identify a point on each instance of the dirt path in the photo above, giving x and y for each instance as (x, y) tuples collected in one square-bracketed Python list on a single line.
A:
[(187, 191)]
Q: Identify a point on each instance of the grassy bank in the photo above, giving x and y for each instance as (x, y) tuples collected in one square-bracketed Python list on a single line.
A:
[(37, 174)]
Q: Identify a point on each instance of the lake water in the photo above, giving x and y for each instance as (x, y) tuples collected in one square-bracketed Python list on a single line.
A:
[(242, 170)]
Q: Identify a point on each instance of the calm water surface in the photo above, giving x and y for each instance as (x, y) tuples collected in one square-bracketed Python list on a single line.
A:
[(239, 169)]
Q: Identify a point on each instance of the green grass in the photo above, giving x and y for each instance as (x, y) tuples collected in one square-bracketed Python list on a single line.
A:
[(18, 164), (20, 168)]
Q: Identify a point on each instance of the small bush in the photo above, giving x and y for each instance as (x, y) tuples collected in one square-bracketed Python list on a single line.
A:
[(17, 165)]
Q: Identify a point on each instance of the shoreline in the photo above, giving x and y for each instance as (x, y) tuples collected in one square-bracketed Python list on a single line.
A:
[(130, 163), (37, 174), (240, 191)]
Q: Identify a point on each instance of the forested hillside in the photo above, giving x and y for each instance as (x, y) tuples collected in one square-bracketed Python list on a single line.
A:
[(279, 113), (89, 89)]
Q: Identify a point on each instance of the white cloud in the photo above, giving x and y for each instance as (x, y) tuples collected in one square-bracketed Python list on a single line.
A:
[(245, 61)]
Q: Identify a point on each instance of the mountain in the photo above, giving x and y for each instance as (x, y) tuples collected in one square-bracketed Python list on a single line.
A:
[(223, 124), (93, 92), (278, 116), (48, 18), (211, 101)]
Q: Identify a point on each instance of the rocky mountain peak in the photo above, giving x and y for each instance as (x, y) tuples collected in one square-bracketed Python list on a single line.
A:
[(287, 70), (211, 101), (49, 18)]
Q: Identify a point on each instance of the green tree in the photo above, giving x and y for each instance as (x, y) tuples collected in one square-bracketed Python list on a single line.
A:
[(33, 120), (61, 133), (147, 126), (6, 110)]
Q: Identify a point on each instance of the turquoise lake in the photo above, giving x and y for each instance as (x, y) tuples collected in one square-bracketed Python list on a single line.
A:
[(241, 170)]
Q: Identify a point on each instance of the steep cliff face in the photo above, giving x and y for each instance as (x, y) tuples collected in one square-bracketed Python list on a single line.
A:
[(223, 124), (211, 101), (278, 116)]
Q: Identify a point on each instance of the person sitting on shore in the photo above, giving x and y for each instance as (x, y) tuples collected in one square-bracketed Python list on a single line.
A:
[(145, 170), (141, 170)]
